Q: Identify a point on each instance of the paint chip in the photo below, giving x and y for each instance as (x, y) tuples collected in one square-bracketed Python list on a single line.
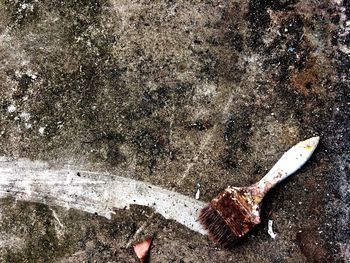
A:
[(11, 108), (198, 193), (142, 250), (269, 229), (41, 130), (25, 116)]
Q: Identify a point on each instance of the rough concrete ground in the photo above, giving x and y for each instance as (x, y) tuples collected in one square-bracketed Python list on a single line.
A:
[(177, 93)]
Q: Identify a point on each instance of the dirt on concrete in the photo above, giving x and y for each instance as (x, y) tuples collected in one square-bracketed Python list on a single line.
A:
[(179, 93)]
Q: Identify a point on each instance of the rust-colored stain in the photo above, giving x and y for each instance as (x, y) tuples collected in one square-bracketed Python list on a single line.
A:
[(313, 69), (309, 79), (236, 209)]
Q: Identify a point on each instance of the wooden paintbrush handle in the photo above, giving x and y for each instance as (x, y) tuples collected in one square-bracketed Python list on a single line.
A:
[(290, 162)]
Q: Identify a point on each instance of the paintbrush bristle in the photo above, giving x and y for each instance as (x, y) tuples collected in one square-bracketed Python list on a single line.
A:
[(219, 232), (230, 215)]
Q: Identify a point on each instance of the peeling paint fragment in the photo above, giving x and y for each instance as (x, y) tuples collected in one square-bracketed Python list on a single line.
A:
[(11, 108), (41, 130), (270, 230), (198, 193), (142, 250)]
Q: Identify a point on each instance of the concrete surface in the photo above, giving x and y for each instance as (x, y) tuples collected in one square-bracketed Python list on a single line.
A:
[(177, 94)]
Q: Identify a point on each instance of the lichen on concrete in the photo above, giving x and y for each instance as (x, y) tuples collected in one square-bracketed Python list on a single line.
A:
[(178, 93)]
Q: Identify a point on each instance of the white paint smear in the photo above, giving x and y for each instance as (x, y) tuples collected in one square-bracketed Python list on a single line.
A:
[(92, 192)]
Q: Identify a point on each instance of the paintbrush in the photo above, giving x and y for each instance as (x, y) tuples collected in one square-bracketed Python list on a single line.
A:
[(236, 210)]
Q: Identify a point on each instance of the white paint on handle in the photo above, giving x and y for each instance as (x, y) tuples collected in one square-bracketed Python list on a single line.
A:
[(290, 162)]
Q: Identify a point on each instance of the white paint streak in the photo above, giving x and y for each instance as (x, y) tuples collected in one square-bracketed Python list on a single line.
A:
[(206, 140), (59, 226), (92, 191), (54, 214), (138, 231)]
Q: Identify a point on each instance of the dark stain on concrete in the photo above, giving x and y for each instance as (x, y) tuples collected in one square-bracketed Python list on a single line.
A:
[(236, 136), (309, 243)]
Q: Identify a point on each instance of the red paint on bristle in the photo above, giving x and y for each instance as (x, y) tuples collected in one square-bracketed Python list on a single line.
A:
[(229, 216), (219, 232)]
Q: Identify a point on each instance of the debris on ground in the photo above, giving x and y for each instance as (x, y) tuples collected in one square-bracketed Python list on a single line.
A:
[(198, 185), (198, 193)]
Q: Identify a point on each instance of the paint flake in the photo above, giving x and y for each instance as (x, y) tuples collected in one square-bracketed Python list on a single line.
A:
[(270, 230)]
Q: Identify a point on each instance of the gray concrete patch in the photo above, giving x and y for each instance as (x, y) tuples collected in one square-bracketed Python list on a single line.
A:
[(177, 94)]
